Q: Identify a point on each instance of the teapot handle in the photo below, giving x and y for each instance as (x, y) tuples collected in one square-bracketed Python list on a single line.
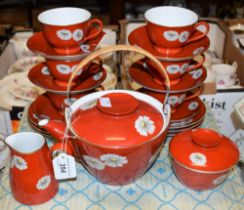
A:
[(115, 48)]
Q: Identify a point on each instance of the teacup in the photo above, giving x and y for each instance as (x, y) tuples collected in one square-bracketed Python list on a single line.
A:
[(170, 27), (61, 101), (61, 70), (176, 69), (226, 74), (66, 28), (174, 99)]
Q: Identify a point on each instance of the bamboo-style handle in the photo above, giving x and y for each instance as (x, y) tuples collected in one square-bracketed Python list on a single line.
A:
[(114, 48)]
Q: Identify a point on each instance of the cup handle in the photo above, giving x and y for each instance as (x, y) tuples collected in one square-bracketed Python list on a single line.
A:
[(193, 95), (197, 65), (200, 36), (90, 24)]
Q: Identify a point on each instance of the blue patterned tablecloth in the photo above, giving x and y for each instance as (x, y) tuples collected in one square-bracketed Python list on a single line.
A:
[(157, 189)]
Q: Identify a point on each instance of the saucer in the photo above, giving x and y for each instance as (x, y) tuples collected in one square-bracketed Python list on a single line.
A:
[(188, 81), (139, 37), (38, 44), (42, 108), (40, 76), (192, 109)]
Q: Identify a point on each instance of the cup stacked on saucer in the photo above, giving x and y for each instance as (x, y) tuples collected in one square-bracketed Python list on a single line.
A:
[(68, 35), (173, 35)]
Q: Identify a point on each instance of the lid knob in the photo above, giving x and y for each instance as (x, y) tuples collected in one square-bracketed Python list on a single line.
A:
[(117, 104), (206, 137)]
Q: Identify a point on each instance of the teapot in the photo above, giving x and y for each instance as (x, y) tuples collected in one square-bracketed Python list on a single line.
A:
[(115, 134)]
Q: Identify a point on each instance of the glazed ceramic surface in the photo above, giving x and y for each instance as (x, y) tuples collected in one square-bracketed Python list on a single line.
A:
[(40, 76), (205, 159), (66, 28), (31, 173), (170, 33), (42, 108), (188, 51), (130, 130), (39, 45), (189, 81)]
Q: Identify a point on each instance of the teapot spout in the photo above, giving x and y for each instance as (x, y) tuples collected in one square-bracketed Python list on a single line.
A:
[(54, 127)]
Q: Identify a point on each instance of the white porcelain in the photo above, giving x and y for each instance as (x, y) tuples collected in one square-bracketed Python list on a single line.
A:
[(226, 74)]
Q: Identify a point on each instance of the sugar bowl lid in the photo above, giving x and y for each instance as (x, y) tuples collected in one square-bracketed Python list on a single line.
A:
[(117, 119), (204, 150)]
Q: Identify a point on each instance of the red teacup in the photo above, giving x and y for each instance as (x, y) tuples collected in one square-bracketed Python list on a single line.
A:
[(61, 101), (170, 28), (66, 28), (176, 69), (174, 99)]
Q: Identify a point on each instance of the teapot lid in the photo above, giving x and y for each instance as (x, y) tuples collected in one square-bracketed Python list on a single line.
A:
[(116, 119), (204, 150)]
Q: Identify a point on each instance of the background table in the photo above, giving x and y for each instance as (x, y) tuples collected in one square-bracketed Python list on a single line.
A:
[(157, 189)]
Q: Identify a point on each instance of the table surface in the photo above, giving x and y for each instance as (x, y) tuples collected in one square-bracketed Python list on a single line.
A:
[(157, 189)]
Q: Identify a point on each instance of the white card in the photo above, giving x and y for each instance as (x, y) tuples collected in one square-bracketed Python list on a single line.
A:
[(64, 167)]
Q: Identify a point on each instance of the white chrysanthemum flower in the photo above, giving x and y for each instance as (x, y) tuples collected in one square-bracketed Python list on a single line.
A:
[(220, 179), (20, 163), (78, 34), (85, 48), (43, 182), (172, 100), (144, 125), (181, 99), (193, 105), (63, 69), (97, 76), (173, 69), (45, 71), (198, 159), (198, 51), (197, 73), (171, 35), (64, 34), (183, 36), (113, 160), (94, 162)]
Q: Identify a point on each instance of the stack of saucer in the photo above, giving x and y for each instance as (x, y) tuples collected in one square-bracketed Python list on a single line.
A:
[(68, 35), (178, 43)]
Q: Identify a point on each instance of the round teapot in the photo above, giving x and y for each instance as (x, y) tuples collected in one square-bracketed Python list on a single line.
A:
[(115, 134)]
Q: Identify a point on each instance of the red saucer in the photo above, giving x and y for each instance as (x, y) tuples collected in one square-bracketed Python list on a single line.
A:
[(188, 81), (42, 108), (40, 76), (38, 44), (139, 37), (193, 109)]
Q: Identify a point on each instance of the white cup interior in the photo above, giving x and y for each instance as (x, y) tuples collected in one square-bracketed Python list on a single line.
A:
[(171, 16), (25, 142), (64, 16)]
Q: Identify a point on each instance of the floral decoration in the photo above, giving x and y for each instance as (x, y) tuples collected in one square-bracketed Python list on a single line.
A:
[(144, 125), (193, 105), (113, 160), (198, 159), (85, 48), (171, 35), (197, 73), (63, 69), (183, 68), (19, 163), (43, 182), (78, 34), (94, 162), (97, 76), (198, 51), (184, 36), (45, 71), (64, 34), (173, 69)]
